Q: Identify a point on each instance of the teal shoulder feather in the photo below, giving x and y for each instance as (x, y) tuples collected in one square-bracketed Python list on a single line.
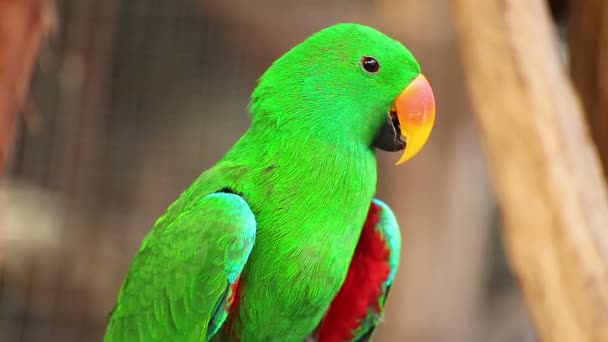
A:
[(180, 280), (388, 227)]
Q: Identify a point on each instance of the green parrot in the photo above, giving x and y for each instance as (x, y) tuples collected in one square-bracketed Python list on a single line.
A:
[(282, 239)]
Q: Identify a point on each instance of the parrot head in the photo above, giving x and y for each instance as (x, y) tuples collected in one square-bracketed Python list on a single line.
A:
[(353, 84)]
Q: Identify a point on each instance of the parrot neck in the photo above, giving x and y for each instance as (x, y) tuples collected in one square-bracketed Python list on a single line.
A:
[(283, 143), (308, 169)]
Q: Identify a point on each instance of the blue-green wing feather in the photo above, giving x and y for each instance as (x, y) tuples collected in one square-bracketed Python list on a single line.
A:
[(389, 228), (183, 272)]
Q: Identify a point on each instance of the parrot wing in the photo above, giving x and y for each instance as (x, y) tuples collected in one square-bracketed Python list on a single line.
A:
[(183, 279), (358, 307)]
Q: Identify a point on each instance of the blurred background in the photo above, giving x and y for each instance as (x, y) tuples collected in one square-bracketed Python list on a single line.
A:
[(131, 100)]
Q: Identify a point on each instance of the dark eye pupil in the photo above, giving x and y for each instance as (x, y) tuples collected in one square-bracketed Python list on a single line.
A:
[(370, 64)]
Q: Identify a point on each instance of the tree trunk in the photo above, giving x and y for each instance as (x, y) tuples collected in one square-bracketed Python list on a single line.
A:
[(545, 170), (588, 47)]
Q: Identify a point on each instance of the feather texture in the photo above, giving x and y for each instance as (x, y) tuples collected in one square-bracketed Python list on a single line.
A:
[(305, 173), (179, 287)]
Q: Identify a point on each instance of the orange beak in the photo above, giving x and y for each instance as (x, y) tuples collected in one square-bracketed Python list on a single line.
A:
[(415, 109)]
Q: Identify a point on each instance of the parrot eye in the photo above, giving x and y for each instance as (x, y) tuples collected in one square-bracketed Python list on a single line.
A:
[(370, 64)]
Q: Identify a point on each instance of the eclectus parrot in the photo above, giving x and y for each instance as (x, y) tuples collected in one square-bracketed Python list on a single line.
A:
[(282, 239)]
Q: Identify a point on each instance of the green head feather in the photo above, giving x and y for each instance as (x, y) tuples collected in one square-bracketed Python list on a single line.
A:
[(321, 84)]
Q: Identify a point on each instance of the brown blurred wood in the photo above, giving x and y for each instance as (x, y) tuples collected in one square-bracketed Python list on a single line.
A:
[(23, 25), (545, 170), (588, 49)]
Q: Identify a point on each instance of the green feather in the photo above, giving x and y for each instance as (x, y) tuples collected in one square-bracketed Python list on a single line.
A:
[(306, 168), (163, 297)]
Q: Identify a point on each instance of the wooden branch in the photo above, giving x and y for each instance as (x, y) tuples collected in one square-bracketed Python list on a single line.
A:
[(23, 25), (588, 47), (545, 170)]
